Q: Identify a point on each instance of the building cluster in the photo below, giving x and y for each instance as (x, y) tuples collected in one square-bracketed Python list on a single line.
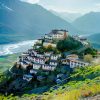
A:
[(54, 35), (74, 61), (35, 61), (81, 39)]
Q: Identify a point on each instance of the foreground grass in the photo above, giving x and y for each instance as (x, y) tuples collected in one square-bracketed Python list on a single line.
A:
[(82, 85), (83, 91)]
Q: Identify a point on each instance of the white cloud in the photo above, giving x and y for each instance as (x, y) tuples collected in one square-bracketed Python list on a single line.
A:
[(31, 1), (97, 4)]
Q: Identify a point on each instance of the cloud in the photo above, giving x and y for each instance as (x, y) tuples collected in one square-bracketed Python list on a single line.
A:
[(80, 6), (97, 4), (31, 1)]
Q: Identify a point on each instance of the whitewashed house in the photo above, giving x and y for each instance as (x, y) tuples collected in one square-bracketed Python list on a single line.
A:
[(39, 60), (48, 67), (35, 53), (27, 62), (77, 63), (27, 77), (59, 34), (32, 71), (40, 55), (36, 66), (24, 65), (53, 63), (24, 54), (48, 54), (73, 57), (30, 58), (48, 36), (55, 57), (39, 41)]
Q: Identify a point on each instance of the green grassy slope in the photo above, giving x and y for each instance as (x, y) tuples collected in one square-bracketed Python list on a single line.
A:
[(7, 61), (82, 85)]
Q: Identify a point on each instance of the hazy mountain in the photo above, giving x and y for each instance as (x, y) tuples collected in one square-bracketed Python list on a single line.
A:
[(70, 17), (23, 21), (95, 40), (89, 23)]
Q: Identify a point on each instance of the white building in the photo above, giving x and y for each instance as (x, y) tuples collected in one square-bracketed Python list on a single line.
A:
[(40, 55), (48, 54), (24, 65), (48, 67), (39, 60), (55, 57), (39, 41), (33, 71), (27, 77), (77, 63), (74, 62), (48, 36), (36, 66), (59, 34), (73, 57), (53, 63), (25, 54)]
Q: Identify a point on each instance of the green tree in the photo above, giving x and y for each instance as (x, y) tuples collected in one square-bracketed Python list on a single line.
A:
[(68, 44)]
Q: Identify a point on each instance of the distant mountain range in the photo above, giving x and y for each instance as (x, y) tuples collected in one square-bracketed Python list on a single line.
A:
[(70, 17), (95, 40), (89, 23), (22, 21)]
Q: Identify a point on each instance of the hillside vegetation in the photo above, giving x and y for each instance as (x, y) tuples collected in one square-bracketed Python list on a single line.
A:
[(85, 82), (7, 61)]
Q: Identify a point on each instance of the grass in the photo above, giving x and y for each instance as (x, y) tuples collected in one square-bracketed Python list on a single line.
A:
[(78, 89), (7, 61), (74, 93)]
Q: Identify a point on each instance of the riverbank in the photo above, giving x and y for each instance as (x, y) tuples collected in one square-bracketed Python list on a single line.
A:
[(6, 49)]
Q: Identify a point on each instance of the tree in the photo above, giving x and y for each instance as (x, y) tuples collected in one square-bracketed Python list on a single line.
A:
[(49, 48), (68, 44), (88, 58), (91, 51)]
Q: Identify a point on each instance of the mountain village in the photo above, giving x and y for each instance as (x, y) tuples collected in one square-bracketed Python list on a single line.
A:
[(41, 65)]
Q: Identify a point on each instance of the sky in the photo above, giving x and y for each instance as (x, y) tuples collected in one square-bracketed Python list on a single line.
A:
[(71, 6)]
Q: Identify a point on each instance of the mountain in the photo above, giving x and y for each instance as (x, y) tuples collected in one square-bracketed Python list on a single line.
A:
[(23, 21), (89, 23), (95, 40), (70, 17)]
